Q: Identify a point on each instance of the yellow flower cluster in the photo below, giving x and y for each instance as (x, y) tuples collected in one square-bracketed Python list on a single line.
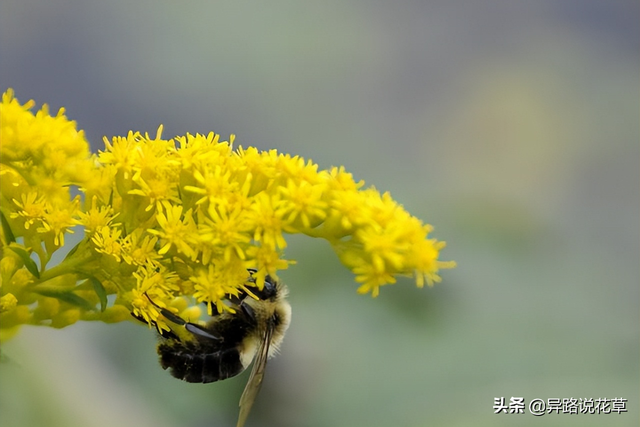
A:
[(164, 218)]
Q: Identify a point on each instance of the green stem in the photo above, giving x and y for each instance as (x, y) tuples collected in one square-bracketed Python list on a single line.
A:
[(68, 266)]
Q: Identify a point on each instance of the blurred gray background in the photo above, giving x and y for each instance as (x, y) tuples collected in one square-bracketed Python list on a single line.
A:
[(512, 127)]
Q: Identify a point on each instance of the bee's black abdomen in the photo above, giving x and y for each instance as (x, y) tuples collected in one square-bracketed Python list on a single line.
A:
[(205, 360), (193, 373), (211, 372), (222, 365), (230, 364), (194, 367)]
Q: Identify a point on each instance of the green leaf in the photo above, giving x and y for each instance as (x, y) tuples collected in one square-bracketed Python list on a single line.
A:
[(28, 262), (100, 291), (7, 229), (73, 250), (68, 297)]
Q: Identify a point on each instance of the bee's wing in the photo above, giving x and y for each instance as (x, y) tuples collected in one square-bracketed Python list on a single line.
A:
[(255, 379)]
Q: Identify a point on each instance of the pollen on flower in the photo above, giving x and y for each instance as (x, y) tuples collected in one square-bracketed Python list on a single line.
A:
[(121, 153), (175, 230), (155, 190), (266, 214), (227, 231), (215, 186), (212, 287), (32, 208), (384, 245), (347, 209), (155, 280), (267, 261), (338, 179), (424, 257), (372, 278), (107, 241), (143, 252), (96, 217), (303, 204), (59, 220)]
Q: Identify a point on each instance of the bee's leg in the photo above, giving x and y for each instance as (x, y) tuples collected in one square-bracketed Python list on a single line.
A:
[(191, 327), (196, 329), (140, 318), (172, 317), (166, 313), (163, 333), (248, 312)]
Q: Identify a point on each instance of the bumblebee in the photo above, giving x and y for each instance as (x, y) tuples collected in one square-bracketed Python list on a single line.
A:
[(227, 344)]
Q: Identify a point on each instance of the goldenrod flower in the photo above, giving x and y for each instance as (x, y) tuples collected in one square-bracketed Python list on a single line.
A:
[(169, 219), (107, 240), (31, 208)]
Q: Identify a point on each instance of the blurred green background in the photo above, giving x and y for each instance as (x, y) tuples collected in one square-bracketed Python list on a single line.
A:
[(512, 127)]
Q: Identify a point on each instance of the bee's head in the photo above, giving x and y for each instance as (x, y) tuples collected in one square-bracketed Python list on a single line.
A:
[(268, 291)]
